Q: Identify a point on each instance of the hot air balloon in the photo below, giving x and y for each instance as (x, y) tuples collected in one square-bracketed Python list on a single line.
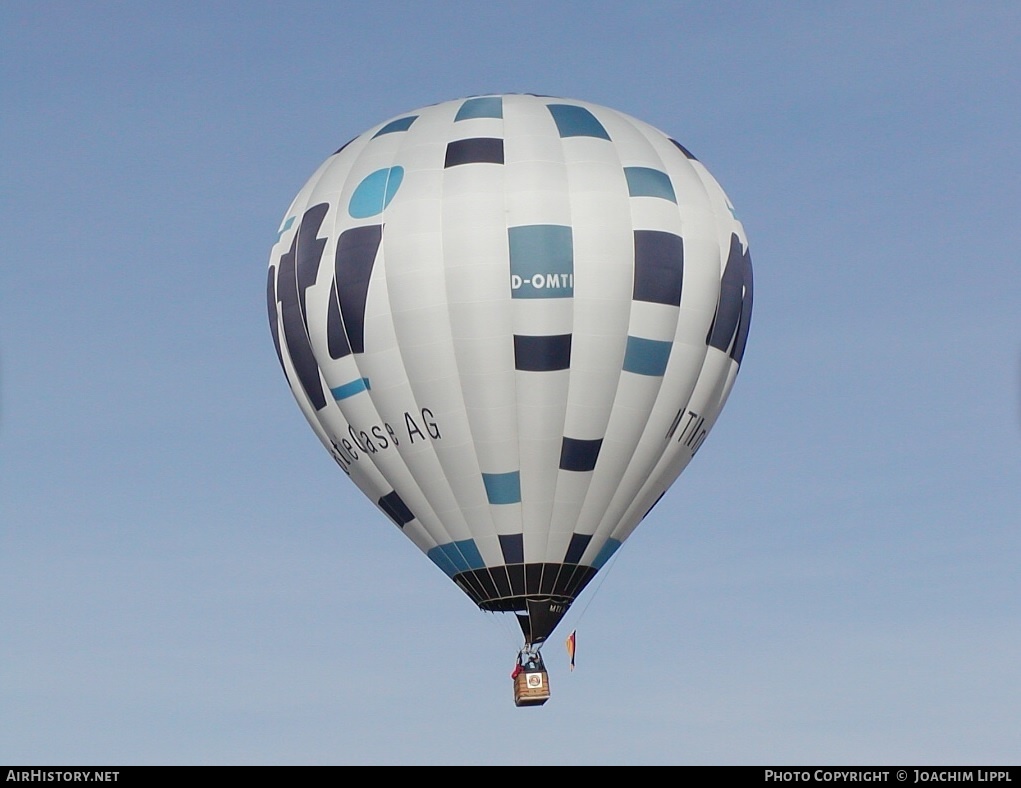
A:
[(512, 320)]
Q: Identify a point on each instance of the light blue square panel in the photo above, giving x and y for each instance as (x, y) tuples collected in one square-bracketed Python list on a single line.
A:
[(575, 121), (482, 107), (647, 182), (646, 356), (606, 553), (541, 261), (401, 124), (503, 487), (356, 386)]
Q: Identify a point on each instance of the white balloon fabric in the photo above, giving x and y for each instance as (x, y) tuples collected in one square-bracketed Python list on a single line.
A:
[(512, 320)]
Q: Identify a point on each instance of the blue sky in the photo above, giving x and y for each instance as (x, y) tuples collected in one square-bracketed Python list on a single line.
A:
[(188, 578)]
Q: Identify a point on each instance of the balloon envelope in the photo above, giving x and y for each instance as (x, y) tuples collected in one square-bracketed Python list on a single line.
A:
[(512, 320)]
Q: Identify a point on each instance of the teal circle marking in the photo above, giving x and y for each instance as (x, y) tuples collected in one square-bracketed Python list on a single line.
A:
[(374, 193)]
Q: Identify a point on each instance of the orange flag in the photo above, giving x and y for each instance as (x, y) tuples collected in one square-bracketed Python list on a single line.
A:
[(571, 642)]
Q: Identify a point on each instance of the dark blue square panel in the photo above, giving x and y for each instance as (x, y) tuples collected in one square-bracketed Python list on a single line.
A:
[(513, 548), (577, 548), (478, 150), (396, 509), (579, 455), (683, 150), (542, 354), (729, 330), (659, 267)]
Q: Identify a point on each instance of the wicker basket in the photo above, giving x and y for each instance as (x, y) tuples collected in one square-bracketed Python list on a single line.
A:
[(531, 688)]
